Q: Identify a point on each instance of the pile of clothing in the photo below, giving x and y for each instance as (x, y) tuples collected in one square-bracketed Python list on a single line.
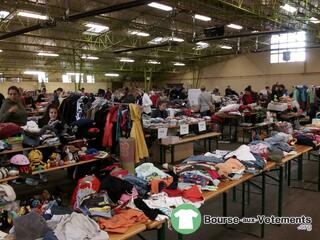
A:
[(275, 147), (309, 136)]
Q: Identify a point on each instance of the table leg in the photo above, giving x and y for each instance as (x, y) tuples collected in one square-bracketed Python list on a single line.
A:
[(161, 232), (205, 144), (230, 130), (224, 205), (243, 199), (164, 155), (217, 143), (286, 170), (244, 133), (263, 201), (161, 155), (248, 193), (209, 140), (234, 194), (318, 171), (280, 193), (289, 173), (300, 167), (236, 131), (172, 154)]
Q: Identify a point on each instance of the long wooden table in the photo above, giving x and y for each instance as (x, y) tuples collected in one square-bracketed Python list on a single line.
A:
[(52, 169), (132, 231)]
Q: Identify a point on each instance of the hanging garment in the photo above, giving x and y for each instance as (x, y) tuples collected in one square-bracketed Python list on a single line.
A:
[(137, 133), (111, 118)]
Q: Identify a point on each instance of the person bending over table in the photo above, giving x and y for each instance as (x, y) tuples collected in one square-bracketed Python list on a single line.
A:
[(161, 110), (12, 109)]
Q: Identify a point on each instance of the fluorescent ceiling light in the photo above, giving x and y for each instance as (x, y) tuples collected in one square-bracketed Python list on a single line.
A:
[(96, 28), (32, 15), (234, 26), (314, 20), (255, 31), (139, 33), (33, 72), (157, 40), (4, 14), (202, 18), (112, 74), (201, 45), (160, 6), (175, 39), (225, 47), (153, 62), (178, 64), (288, 8), (1, 50), (1, 73), (48, 54), (89, 57), (126, 60)]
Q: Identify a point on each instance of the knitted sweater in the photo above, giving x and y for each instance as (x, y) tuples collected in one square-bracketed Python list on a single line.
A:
[(18, 117)]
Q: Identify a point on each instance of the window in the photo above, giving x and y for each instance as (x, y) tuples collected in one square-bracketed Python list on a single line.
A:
[(288, 47), (42, 77), (90, 79), (76, 77)]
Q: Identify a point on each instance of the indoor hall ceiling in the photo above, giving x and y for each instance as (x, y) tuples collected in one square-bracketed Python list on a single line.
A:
[(64, 34)]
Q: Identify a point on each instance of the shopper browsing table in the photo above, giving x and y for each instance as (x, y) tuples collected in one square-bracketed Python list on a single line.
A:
[(205, 102), (161, 110), (12, 109)]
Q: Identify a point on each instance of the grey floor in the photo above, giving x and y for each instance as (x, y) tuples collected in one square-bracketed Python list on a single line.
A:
[(296, 202)]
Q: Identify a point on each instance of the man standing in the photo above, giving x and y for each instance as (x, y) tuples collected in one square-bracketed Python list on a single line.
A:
[(205, 102)]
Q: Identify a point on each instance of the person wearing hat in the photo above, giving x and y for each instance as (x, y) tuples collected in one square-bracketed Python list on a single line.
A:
[(12, 109), (205, 102)]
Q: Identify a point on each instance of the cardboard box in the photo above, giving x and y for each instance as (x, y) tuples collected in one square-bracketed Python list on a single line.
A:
[(181, 152), (170, 140)]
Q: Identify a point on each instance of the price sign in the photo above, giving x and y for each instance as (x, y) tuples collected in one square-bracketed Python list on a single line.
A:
[(184, 129), (162, 132), (202, 126)]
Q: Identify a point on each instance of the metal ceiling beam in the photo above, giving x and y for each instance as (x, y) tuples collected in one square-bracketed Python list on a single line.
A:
[(38, 26), (145, 47), (242, 35), (112, 8)]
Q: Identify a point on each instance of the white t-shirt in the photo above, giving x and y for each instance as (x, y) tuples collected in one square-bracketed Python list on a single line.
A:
[(186, 218), (146, 103)]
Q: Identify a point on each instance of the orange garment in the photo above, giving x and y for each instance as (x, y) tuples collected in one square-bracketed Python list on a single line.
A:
[(155, 183), (232, 165), (121, 222)]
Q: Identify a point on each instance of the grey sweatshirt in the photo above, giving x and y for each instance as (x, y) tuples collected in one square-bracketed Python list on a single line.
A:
[(19, 117)]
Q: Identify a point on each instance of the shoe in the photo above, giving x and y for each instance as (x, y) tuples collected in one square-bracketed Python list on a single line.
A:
[(32, 182), (102, 155)]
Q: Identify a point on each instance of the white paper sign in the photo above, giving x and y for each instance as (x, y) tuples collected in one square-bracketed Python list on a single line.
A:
[(162, 132), (184, 129), (202, 126)]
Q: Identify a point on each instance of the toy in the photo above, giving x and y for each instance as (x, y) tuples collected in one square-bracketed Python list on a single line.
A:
[(35, 157), (22, 162), (54, 160)]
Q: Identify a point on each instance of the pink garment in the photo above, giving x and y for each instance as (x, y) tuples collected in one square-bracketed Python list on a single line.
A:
[(127, 197), (260, 149), (232, 165)]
